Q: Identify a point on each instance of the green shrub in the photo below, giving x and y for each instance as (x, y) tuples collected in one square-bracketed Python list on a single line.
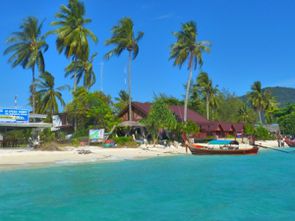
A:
[(249, 129), (189, 127), (75, 142), (262, 134), (47, 135), (125, 141)]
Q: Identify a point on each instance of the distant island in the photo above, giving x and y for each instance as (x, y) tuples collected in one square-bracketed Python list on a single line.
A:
[(283, 95)]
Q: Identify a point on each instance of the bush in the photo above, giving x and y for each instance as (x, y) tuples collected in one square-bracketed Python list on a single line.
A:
[(249, 129), (75, 142), (47, 136), (189, 128), (125, 141), (262, 134)]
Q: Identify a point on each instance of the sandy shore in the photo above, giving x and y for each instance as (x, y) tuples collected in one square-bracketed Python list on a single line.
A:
[(18, 158)]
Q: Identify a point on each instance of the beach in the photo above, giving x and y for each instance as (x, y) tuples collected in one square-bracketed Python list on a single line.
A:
[(24, 157), (16, 158)]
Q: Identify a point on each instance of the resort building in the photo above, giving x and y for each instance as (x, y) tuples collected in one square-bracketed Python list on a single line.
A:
[(207, 128)]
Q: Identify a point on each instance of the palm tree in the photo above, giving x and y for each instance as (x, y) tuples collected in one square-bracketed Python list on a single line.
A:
[(260, 99), (206, 87), (26, 48), (80, 68), (244, 113), (124, 38), (122, 101), (72, 35), (49, 95), (188, 48)]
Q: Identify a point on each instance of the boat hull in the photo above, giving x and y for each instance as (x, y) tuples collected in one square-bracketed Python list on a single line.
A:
[(206, 151), (290, 143)]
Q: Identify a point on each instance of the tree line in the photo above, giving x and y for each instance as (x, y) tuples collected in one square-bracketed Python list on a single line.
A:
[(27, 46)]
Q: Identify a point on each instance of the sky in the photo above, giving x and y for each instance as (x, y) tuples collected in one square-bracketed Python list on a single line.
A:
[(251, 40)]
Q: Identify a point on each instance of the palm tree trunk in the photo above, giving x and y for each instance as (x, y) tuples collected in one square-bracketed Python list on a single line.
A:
[(207, 105), (188, 88), (129, 85), (33, 90), (75, 82), (260, 116)]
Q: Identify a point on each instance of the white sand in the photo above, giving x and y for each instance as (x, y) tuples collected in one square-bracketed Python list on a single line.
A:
[(18, 158), (15, 158)]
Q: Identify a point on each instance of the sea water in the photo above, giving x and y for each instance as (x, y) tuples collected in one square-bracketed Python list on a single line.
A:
[(186, 188)]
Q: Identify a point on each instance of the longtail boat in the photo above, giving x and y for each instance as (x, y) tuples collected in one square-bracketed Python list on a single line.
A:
[(220, 147), (290, 143)]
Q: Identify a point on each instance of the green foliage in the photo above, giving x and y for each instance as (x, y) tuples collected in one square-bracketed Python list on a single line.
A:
[(169, 100), (262, 101), (23, 134), (124, 38), (48, 96), (188, 49), (82, 68), (229, 108), (26, 48), (75, 142), (121, 101), (287, 124), (283, 95), (125, 141), (208, 92), (91, 109), (246, 114), (249, 129), (47, 136), (159, 117), (261, 133), (72, 35), (189, 128)]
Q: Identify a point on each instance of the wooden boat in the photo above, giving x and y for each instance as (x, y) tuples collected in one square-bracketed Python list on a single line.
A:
[(213, 151), (222, 147), (290, 143)]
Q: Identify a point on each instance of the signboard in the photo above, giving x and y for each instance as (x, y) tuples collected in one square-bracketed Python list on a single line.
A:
[(56, 123), (96, 135), (13, 115)]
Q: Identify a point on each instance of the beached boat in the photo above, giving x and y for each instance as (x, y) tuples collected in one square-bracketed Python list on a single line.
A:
[(220, 147), (290, 143)]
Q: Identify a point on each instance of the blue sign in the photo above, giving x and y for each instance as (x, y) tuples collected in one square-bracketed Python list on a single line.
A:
[(12, 115)]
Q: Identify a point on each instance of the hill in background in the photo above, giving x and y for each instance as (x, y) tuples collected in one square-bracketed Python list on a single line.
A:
[(283, 95)]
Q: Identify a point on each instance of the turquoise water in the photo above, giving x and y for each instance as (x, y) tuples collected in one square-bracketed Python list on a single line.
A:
[(211, 188)]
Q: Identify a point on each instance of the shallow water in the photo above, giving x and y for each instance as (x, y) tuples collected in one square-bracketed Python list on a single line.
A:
[(189, 187)]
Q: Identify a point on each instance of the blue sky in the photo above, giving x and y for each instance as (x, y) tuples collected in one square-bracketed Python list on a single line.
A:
[(251, 40)]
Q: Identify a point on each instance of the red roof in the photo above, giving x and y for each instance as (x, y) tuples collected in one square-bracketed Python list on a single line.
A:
[(239, 127), (226, 126), (177, 110), (205, 125)]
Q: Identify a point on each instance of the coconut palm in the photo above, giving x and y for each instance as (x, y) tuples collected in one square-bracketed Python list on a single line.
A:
[(244, 113), (72, 35), (48, 94), (26, 48), (188, 49), (260, 99), (206, 88), (121, 101), (124, 38), (82, 68)]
